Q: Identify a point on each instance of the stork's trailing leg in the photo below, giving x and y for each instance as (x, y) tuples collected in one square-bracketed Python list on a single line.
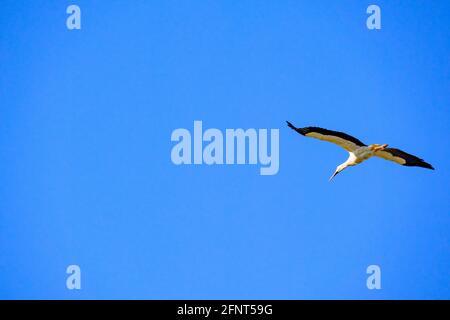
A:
[(378, 147)]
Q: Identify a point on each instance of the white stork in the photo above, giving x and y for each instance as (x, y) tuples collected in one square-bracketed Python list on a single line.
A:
[(359, 151)]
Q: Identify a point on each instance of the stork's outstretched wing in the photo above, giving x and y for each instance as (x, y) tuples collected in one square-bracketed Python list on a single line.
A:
[(403, 158), (341, 139)]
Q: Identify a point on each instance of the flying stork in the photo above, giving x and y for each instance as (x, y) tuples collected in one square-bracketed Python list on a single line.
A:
[(359, 151)]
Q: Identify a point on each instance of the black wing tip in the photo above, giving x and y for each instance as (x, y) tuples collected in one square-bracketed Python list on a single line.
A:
[(290, 125), (302, 131), (421, 165), (427, 166)]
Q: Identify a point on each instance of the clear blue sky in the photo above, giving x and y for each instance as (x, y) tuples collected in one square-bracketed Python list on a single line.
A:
[(86, 176)]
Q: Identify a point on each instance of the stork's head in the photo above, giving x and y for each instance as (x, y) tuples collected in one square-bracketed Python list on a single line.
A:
[(338, 169)]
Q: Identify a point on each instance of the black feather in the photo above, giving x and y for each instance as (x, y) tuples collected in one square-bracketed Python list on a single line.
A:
[(306, 130), (411, 160)]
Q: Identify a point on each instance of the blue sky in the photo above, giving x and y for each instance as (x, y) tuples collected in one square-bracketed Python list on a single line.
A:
[(86, 118)]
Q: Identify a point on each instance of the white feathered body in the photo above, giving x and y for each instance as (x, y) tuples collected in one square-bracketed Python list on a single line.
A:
[(359, 155)]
